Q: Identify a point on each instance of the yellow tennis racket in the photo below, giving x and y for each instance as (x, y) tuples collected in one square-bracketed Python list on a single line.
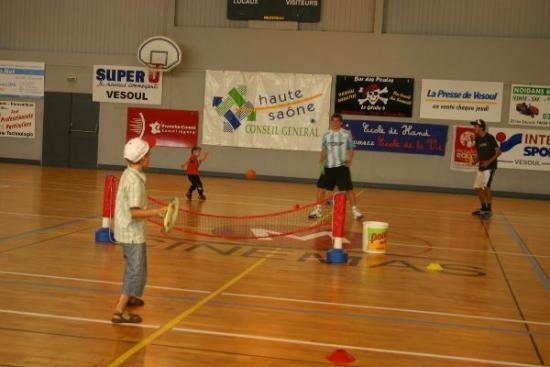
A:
[(171, 215)]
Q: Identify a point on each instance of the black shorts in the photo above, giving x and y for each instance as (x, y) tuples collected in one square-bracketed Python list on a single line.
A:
[(195, 181), (336, 176)]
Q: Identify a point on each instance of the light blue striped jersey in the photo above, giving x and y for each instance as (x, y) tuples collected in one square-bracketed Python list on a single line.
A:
[(338, 144)]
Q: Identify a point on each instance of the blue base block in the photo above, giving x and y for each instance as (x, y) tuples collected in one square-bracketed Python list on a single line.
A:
[(337, 256), (104, 235)]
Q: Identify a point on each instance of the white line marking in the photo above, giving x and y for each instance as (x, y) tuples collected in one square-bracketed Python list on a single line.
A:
[(293, 300), (278, 340)]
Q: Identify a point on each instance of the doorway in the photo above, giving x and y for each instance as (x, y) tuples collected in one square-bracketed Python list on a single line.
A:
[(71, 125)]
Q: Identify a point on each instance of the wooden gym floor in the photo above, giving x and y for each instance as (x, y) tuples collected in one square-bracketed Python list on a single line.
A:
[(489, 306)]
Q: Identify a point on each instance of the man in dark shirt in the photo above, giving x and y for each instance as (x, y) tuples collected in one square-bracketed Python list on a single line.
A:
[(487, 154)]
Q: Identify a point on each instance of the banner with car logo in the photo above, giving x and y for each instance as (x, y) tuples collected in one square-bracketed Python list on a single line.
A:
[(374, 96), (530, 105)]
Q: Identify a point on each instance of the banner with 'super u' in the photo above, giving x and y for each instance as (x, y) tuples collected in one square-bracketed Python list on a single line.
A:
[(266, 110)]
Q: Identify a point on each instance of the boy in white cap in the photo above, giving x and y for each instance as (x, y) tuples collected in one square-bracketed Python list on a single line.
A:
[(131, 210)]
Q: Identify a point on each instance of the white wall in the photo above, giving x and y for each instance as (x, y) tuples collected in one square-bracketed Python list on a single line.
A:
[(510, 60)]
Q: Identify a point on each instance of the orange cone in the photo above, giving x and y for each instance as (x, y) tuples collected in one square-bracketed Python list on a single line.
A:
[(340, 356)]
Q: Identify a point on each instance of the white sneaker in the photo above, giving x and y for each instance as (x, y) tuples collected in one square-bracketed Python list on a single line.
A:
[(316, 213), (357, 214)]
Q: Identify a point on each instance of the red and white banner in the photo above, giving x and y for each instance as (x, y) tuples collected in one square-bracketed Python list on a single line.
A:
[(17, 119), (521, 148), (464, 147), (170, 128)]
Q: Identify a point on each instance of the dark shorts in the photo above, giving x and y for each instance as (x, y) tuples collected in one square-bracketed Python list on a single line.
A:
[(336, 176)]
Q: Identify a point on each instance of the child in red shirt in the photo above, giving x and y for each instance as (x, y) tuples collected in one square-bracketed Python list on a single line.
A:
[(192, 165)]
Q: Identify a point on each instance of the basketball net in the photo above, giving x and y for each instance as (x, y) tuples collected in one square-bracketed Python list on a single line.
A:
[(154, 72)]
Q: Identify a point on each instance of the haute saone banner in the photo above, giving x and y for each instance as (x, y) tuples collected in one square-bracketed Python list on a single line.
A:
[(266, 110), (464, 147), (170, 128), (523, 148), (374, 95), (398, 137), (126, 84), (278, 10), (530, 105), (17, 119), (21, 79), (461, 100)]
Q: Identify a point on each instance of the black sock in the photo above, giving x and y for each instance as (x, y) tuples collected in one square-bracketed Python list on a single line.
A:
[(489, 207), (483, 206)]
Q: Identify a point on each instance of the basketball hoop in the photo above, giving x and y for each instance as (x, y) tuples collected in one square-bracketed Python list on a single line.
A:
[(160, 54)]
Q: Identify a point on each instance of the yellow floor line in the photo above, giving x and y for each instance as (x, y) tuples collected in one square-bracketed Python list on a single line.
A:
[(176, 320)]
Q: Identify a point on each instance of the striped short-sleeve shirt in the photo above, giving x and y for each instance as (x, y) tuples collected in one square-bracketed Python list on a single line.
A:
[(338, 144), (131, 194)]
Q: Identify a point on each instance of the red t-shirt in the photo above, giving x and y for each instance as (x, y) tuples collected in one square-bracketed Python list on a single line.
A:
[(193, 166)]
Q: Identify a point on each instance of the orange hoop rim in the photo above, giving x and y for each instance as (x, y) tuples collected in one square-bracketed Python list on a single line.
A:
[(155, 69)]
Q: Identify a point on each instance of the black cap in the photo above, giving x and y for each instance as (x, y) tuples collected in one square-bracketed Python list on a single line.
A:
[(479, 123)]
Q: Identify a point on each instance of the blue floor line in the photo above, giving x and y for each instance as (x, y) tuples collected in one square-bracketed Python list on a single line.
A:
[(523, 247), (27, 233)]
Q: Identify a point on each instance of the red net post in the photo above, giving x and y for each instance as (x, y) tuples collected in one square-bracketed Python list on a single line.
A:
[(338, 219), (109, 199), (104, 234)]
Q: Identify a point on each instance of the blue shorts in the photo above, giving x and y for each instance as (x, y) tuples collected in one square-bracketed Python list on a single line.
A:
[(135, 272)]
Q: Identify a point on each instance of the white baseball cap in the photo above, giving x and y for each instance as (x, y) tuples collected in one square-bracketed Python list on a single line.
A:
[(136, 148)]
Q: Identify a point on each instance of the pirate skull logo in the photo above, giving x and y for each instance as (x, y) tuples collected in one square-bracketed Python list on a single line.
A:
[(373, 94)]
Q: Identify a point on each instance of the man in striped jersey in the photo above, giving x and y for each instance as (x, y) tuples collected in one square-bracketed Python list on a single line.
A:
[(336, 156)]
